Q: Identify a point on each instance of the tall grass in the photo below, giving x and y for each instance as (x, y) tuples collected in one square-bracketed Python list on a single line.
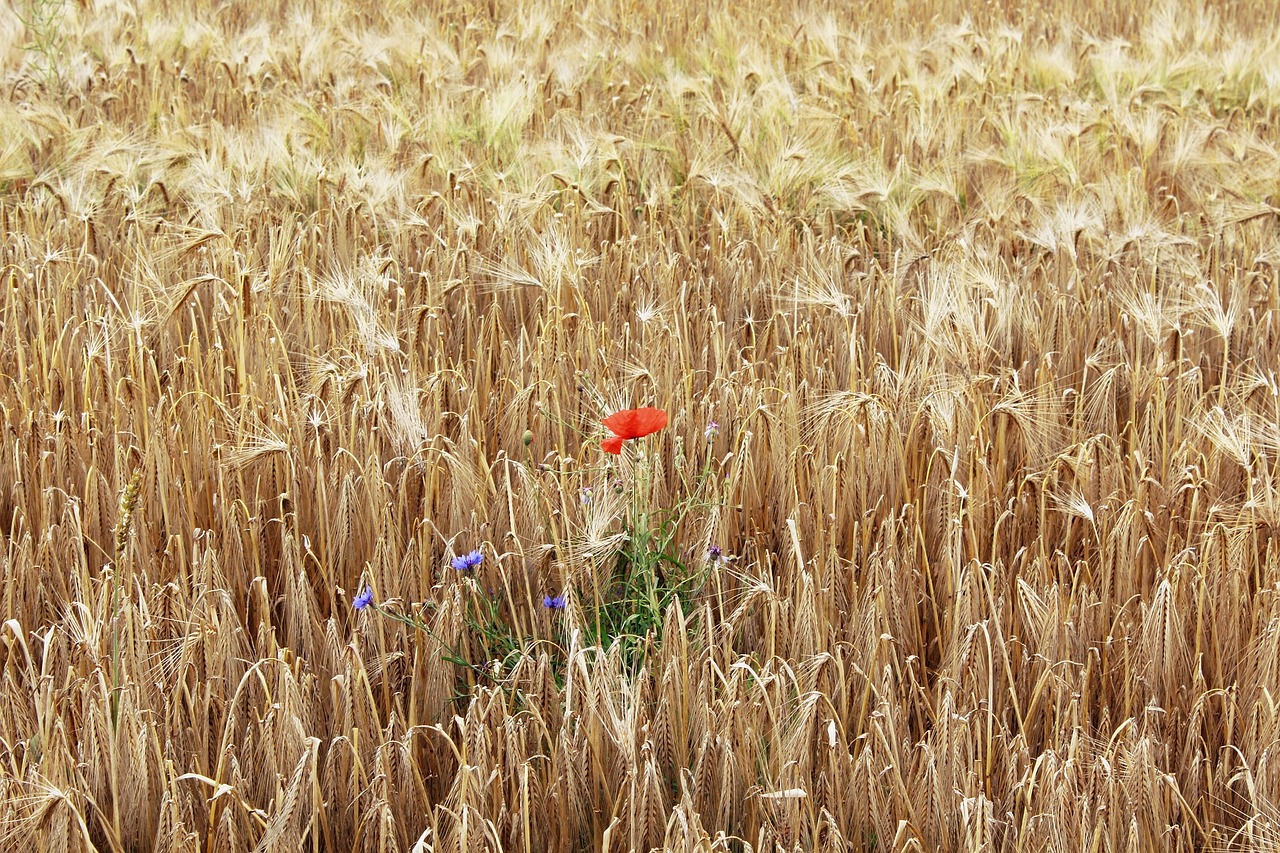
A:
[(986, 311)]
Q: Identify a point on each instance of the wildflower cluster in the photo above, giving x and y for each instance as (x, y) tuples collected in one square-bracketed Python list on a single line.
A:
[(651, 573)]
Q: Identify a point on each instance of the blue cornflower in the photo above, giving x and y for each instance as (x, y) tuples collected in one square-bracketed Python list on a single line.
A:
[(554, 602), (468, 561), (364, 599)]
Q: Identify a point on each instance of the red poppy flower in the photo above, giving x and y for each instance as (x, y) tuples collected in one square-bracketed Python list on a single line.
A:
[(632, 423)]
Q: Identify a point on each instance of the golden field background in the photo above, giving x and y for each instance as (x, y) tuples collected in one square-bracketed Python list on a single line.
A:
[(984, 305)]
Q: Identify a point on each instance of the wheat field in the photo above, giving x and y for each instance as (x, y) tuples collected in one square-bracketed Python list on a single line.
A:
[(962, 534)]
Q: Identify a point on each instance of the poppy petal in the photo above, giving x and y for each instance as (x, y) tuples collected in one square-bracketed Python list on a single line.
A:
[(612, 444), (636, 423), (649, 420), (622, 423)]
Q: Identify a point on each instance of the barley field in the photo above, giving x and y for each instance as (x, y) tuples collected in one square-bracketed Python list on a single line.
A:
[(961, 531)]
